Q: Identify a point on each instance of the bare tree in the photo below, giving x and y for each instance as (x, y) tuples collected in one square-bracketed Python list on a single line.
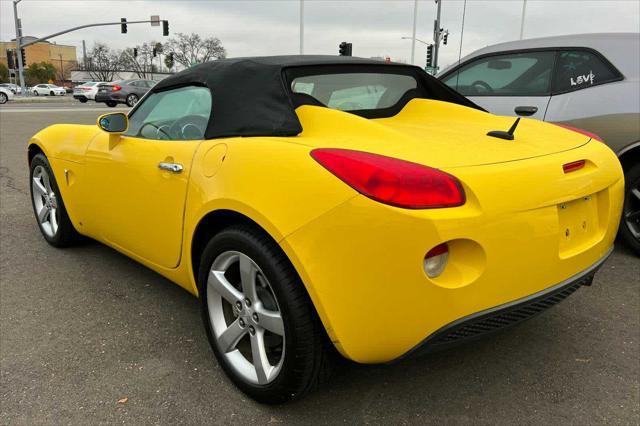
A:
[(140, 59), (192, 49), (103, 63)]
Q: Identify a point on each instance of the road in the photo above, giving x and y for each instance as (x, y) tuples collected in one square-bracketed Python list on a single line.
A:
[(83, 328)]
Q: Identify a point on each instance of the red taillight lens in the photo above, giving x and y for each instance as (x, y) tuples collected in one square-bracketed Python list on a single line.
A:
[(116, 88), (573, 166), (391, 181), (583, 132)]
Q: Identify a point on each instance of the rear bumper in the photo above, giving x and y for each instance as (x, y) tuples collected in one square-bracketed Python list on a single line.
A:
[(496, 319), (526, 226), (113, 97)]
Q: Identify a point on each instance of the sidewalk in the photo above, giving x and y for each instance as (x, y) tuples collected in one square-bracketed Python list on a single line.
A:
[(42, 99)]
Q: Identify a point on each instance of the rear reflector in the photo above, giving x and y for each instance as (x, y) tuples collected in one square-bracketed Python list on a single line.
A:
[(116, 88), (583, 132), (391, 181), (436, 260), (573, 166)]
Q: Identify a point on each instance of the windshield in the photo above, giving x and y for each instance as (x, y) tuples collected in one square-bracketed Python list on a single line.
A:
[(355, 91)]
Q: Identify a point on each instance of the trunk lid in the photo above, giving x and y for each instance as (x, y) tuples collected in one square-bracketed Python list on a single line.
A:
[(437, 134)]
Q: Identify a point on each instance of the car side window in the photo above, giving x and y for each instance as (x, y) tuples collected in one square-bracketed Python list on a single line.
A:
[(177, 114), (579, 69), (514, 74)]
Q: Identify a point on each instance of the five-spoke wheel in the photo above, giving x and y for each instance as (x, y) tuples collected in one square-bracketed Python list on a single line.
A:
[(45, 201), (245, 317), (48, 206), (630, 226), (259, 319)]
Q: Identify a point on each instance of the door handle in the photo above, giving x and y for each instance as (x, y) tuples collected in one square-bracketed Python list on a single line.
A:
[(171, 167), (526, 111)]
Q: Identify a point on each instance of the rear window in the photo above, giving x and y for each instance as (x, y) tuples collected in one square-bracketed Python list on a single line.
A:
[(579, 69), (355, 91)]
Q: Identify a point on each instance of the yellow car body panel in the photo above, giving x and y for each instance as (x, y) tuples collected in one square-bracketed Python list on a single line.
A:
[(526, 225)]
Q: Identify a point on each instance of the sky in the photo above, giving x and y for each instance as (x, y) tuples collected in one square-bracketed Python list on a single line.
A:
[(270, 27)]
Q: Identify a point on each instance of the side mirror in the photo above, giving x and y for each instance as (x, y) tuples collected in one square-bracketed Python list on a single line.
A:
[(116, 122)]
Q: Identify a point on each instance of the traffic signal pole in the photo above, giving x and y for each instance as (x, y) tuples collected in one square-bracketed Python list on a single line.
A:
[(20, 45), (23, 89), (436, 38)]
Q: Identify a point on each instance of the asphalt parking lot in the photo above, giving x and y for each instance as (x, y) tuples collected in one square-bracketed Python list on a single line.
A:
[(89, 336)]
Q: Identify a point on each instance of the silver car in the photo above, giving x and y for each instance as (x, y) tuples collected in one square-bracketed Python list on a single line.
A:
[(588, 81)]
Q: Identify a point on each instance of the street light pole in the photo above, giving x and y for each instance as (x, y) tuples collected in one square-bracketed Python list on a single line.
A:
[(23, 89), (301, 27), (524, 10), (413, 34)]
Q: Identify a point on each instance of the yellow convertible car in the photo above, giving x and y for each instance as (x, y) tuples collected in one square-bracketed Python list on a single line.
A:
[(318, 203)]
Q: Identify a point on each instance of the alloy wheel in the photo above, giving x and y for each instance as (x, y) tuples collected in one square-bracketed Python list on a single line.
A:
[(132, 100), (3, 98), (631, 212), (45, 201), (246, 320)]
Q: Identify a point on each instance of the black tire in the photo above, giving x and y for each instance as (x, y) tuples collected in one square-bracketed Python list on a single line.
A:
[(111, 104), (66, 235), (308, 354), (631, 206), (35, 93), (51, 93), (83, 100), (3, 98), (132, 100)]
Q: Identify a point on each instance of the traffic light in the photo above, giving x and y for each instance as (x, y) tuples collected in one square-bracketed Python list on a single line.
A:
[(444, 38), (155, 52), (344, 49), (430, 55), (135, 52), (165, 28), (10, 59), (24, 57), (123, 25)]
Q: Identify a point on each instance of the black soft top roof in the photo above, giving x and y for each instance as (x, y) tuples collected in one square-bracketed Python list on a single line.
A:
[(250, 96)]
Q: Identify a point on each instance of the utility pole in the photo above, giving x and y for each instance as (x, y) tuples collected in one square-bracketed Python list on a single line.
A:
[(524, 9), (23, 89), (436, 37), (302, 27), (84, 55), (413, 34), (61, 69)]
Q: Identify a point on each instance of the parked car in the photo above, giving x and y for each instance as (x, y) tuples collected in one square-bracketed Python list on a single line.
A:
[(589, 81), (323, 203), (48, 90), (126, 92), (12, 87), (87, 91), (5, 95)]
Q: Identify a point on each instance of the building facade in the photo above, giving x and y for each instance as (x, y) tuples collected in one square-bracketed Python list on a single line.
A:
[(64, 58)]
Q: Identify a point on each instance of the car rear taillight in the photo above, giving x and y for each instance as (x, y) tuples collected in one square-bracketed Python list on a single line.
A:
[(115, 88), (573, 166), (435, 260), (391, 181), (582, 132)]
